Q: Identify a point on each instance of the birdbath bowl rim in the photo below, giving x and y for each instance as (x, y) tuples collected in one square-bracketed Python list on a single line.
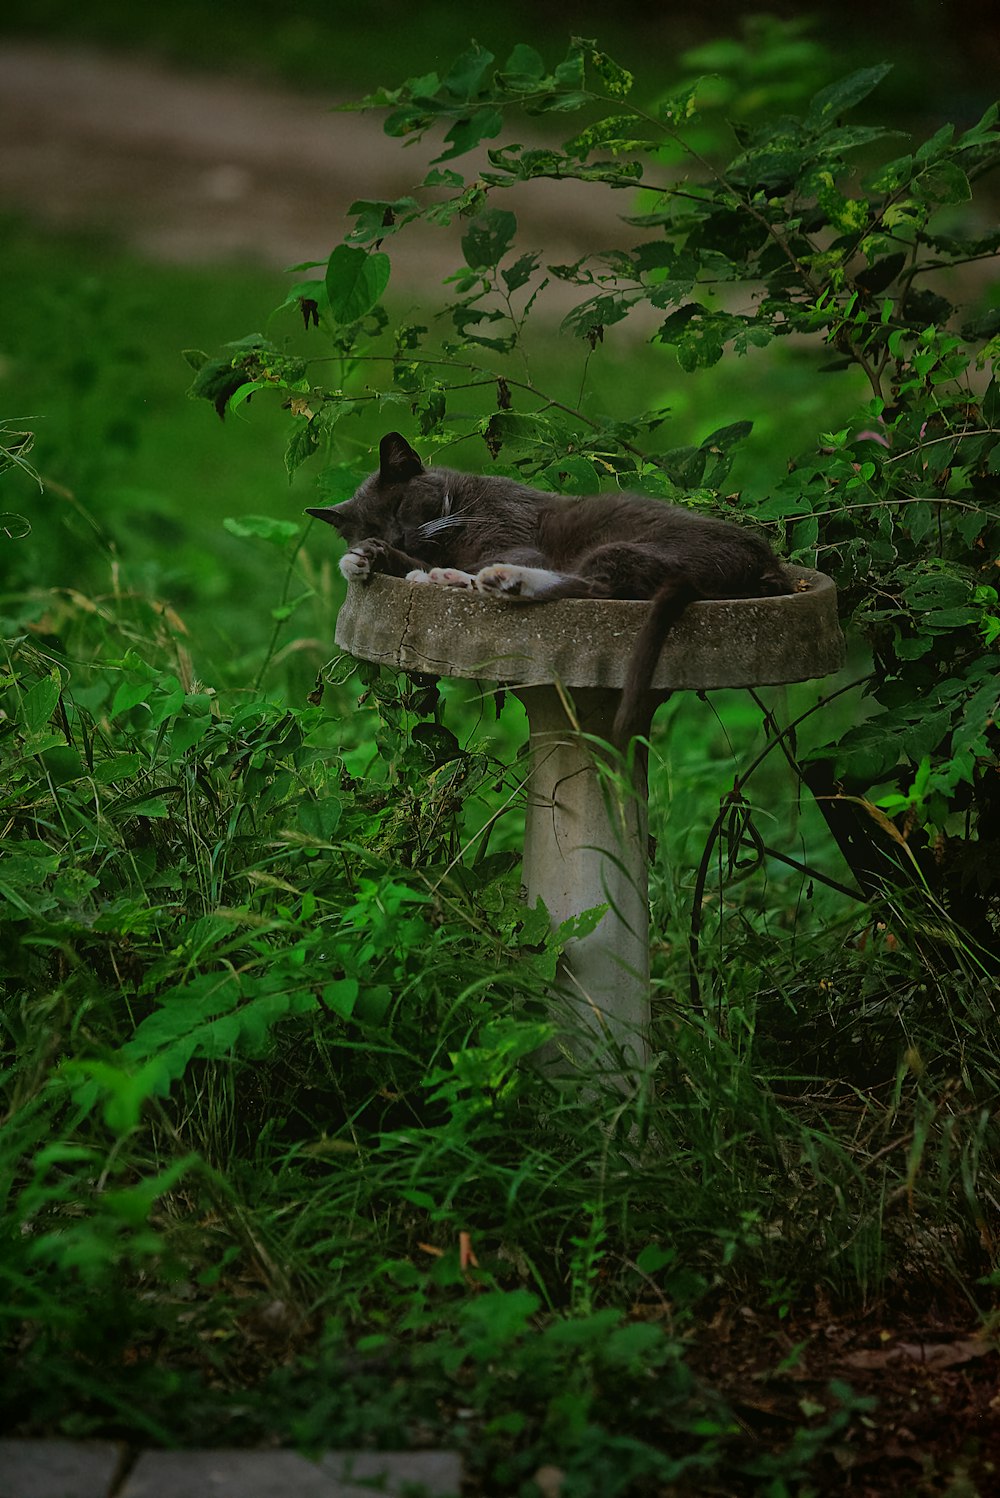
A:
[(583, 642)]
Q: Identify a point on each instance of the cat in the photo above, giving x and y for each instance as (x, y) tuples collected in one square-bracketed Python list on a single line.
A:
[(499, 537)]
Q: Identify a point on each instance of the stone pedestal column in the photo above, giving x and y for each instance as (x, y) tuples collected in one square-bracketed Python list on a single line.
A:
[(585, 846)]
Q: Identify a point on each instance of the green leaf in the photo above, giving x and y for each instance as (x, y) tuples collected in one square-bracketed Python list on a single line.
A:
[(284, 611), (245, 390), (341, 996), (653, 1258), (844, 94), (63, 764), (570, 475), (617, 80), (727, 437), (523, 71), (618, 133), (129, 695), (936, 146), (187, 731), (314, 291), (944, 182), (143, 806), (464, 79), (120, 767), (264, 527), (303, 442), (355, 280), (437, 741), (519, 274), (319, 819), (488, 238), (40, 702), (482, 124)]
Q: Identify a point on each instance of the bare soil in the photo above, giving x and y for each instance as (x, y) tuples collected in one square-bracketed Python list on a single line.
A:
[(196, 169)]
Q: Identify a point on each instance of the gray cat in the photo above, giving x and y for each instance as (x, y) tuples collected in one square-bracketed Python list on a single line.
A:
[(464, 530)]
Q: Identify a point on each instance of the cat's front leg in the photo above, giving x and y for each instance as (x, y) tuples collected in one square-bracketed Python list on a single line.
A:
[(442, 577), (375, 555), (451, 577)]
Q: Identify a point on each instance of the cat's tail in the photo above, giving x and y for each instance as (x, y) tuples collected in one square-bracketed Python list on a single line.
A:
[(666, 607)]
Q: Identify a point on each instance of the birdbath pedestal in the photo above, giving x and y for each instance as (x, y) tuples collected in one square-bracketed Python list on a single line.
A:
[(585, 839)]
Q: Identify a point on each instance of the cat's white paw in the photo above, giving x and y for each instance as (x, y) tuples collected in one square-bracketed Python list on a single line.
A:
[(418, 576), (512, 581), (450, 577), (355, 566)]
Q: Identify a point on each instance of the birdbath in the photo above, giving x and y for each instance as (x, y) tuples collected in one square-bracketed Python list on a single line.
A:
[(585, 836)]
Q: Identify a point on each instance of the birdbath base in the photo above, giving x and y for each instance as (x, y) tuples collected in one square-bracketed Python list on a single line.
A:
[(585, 832)]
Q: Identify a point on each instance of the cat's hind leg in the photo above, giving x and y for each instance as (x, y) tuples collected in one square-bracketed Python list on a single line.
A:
[(531, 584)]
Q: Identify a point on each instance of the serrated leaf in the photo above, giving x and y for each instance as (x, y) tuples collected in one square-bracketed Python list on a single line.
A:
[(301, 445), (341, 996), (355, 281)]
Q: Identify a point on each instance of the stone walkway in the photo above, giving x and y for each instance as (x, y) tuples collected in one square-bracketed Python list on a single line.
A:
[(101, 1469)]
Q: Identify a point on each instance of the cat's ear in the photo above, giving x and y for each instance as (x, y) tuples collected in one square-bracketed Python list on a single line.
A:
[(397, 461), (338, 516)]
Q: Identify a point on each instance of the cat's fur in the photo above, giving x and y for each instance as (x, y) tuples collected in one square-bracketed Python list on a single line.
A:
[(438, 526)]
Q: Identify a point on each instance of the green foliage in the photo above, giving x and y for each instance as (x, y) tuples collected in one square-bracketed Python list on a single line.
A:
[(270, 995), (829, 242)]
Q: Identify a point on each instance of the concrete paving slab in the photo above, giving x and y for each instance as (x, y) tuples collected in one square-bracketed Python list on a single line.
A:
[(57, 1469), (281, 1474)]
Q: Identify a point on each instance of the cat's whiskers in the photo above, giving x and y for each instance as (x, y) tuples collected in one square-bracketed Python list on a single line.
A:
[(432, 528)]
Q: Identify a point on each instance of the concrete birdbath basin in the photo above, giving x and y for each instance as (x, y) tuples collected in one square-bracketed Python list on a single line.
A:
[(585, 842)]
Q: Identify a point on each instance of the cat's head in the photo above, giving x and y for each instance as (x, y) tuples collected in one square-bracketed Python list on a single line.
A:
[(402, 503)]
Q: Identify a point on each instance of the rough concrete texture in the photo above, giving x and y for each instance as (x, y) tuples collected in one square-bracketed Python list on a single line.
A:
[(57, 1469), (280, 1474), (587, 643), (67, 1469), (585, 845)]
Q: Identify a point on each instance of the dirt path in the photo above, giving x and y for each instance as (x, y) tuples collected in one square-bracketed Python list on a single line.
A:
[(191, 168)]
